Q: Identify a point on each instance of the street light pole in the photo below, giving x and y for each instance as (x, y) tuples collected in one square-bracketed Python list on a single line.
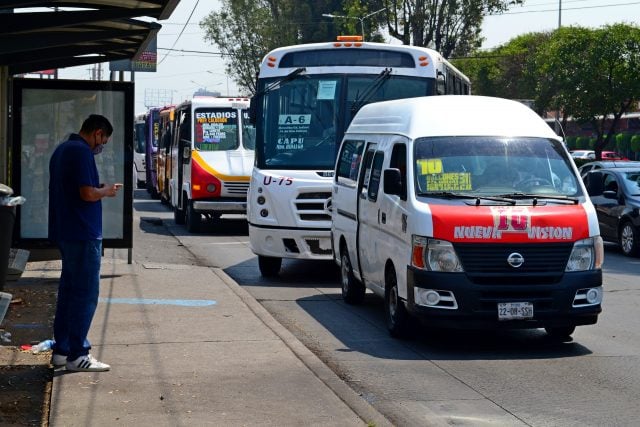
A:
[(361, 19)]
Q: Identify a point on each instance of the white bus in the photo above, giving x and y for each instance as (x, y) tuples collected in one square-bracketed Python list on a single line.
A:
[(211, 159), (306, 97), (139, 147)]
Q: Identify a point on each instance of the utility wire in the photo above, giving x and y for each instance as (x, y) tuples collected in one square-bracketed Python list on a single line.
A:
[(564, 9), (181, 31)]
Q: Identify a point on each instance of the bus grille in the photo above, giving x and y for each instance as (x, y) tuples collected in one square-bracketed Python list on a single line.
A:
[(313, 206), (487, 263), (236, 188)]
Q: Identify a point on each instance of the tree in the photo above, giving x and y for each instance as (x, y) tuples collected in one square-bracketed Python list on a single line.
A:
[(246, 30), (451, 27), (591, 74), (507, 71)]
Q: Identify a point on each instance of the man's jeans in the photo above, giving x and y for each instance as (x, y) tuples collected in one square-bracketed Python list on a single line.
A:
[(77, 296)]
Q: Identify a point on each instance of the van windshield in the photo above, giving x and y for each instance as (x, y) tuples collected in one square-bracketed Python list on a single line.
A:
[(482, 165)]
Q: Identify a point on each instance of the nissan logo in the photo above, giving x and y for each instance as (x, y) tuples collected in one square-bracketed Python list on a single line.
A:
[(515, 260)]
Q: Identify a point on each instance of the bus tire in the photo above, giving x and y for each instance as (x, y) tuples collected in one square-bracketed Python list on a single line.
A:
[(396, 314), (269, 266), (352, 290), (192, 218)]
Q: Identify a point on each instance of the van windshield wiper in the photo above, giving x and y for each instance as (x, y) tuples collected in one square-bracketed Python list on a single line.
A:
[(536, 197), (478, 199), (365, 96), (273, 85)]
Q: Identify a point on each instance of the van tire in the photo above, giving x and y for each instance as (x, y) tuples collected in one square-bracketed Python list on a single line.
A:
[(269, 266), (561, 334), (396, 314), (352, 290), (628, 239), (192, 218)]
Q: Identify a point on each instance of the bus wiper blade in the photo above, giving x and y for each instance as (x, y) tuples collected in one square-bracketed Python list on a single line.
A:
[(291, 76), (478, 199), (536, 197), (376, 84)]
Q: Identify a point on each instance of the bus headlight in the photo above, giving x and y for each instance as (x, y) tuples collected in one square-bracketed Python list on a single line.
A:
[(434, 255), (587, 254)]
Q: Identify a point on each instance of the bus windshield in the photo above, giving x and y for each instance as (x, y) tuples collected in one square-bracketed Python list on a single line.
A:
[(140, 139), (216, 129), (303, 120)]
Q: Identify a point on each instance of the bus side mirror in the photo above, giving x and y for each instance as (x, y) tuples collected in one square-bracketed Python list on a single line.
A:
[(440, 83), (252, 110), (392, 182), (186, 153)]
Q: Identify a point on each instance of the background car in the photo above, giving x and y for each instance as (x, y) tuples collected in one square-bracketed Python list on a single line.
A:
[(583, 154), (612, 155), (600, 164), (615, 193)]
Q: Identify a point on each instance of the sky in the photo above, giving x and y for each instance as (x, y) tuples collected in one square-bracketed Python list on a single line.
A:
[(179, 73)]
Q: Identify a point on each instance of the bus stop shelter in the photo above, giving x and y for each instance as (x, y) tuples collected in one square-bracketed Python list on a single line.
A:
[(39, 35)]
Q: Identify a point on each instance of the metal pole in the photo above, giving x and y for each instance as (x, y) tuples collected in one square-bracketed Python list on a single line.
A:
[(559, 13)]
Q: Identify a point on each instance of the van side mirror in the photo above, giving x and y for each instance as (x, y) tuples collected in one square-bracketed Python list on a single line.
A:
[(392, 182)]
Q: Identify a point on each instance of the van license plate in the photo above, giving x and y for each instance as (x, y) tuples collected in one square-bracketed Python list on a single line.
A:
[(515, 310)]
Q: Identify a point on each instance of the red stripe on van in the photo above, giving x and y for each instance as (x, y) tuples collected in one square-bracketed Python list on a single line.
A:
[(513, 224)]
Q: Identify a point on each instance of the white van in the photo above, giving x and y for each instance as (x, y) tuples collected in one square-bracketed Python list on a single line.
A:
[(466, 212)]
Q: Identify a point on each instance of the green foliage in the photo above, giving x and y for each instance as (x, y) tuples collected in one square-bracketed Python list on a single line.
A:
[(508, 71), (571, 142), (635, 143), (623, 142), (450, 27), (246, 30), (590, 74), (582, 143)]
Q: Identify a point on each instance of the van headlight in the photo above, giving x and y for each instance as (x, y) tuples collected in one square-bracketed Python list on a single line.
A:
[(434, 255), (587, 254)]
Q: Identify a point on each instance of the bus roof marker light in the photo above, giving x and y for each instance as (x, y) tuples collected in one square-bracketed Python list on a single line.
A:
[(349, 38), (337, 44)]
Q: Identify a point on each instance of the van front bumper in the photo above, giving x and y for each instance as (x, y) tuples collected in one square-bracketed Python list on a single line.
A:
[(476, 305)]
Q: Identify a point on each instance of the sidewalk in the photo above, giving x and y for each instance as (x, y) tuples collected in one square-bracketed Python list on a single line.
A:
[(188, 346)]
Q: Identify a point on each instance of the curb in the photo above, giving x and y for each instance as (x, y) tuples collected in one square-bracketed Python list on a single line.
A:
[(353, 400)]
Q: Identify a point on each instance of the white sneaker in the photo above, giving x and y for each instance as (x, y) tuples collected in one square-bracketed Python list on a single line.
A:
[(58, 360), (87, 364)]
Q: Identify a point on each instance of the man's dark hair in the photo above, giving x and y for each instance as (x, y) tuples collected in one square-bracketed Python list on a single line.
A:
[(97, 122)]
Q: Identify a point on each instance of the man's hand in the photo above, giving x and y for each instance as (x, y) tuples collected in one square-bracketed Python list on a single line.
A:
[(93, 194)]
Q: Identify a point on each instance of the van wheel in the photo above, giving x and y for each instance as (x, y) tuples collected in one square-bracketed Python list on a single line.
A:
[(629, 239), (352, 290), (269, 266), (396, 313), (178, 215), (192, 218), (561, 333)]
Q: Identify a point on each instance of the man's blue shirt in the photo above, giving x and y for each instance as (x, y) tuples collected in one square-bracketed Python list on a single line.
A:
[(72, 166)]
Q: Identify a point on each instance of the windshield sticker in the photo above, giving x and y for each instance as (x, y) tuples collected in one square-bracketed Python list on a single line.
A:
[(326, 89), (427, 166), (453, 181), (292, 128), (210, 128)]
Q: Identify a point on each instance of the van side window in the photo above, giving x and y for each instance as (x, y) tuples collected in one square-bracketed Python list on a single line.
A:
[(363, 182), (399, 161), (376, 173), (348, 163)]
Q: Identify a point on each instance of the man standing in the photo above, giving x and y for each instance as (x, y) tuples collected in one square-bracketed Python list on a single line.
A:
[(75, 225)]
